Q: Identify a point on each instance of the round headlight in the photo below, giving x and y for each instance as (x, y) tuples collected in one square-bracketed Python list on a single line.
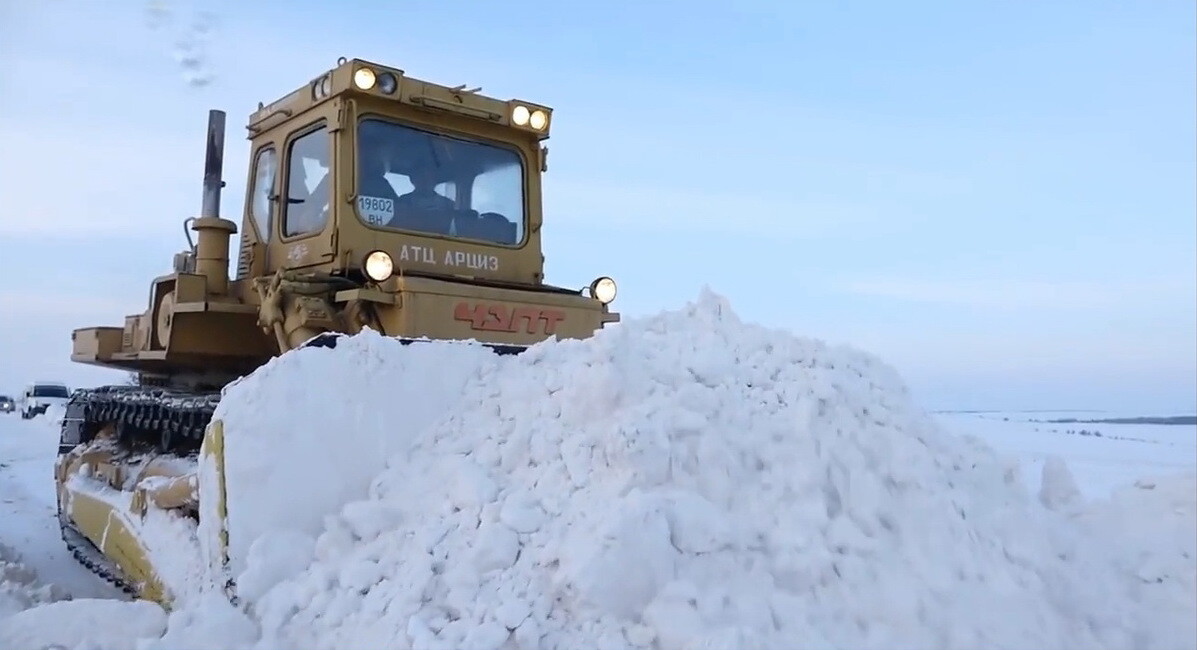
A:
[(364, 78), (379, 266), (520, 115), (603, 290), (539, 120), (387, 83), (325, 86)]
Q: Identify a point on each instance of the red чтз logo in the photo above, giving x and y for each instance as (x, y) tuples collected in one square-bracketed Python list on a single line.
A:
[(492, 317)]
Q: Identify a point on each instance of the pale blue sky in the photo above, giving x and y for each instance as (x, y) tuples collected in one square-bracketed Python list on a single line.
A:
[(997, 198)]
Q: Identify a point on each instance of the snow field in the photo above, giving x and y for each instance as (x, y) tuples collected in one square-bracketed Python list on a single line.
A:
[(1109, 457)]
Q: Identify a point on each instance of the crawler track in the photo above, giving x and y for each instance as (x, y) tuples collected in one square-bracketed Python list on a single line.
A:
[(144, 417), (90, 557)]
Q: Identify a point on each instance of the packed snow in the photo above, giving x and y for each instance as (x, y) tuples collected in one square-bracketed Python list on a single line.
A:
[(680, 481), (83, 625)]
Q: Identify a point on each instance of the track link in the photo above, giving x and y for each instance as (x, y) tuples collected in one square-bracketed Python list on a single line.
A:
[(145, 419)]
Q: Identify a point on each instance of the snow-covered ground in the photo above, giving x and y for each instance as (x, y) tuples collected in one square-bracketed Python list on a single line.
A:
[(680, 481), (28, 520), (1102, 457)]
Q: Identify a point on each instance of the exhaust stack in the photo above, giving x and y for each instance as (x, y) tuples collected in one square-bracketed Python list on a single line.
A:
[(212, 245), (213, 165)]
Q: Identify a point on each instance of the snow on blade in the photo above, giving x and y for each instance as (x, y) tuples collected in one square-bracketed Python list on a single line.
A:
[(169, 539), (307, 432)]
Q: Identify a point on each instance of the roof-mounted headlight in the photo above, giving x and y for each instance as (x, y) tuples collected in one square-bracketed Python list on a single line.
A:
[(603, 290), (364, 78), (378, 266), (520, 115), (387, 83), (321, 87)]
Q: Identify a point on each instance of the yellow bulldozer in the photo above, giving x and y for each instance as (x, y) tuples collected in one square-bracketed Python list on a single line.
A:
[(373, 200)]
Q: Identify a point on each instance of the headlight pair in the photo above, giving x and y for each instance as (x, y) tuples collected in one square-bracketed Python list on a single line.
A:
[(379, 266), (366, 78), (523, 116)]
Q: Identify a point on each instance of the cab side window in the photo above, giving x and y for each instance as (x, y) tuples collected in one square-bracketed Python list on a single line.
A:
[(260, 208), (309, 193)]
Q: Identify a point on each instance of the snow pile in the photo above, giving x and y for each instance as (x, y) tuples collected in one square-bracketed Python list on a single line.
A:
[(683, 481), (1058, 490), (308, 431), (1154, 525)]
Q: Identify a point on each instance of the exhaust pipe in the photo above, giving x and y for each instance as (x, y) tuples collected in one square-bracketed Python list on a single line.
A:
[(213, 233), (213, 165)]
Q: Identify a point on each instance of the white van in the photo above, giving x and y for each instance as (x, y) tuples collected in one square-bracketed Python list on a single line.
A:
[(41, 395)]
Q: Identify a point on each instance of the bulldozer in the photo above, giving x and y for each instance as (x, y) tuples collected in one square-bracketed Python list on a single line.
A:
[(373, 200)]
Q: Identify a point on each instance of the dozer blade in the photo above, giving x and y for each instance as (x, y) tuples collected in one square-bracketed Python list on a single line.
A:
[(330, 339), (111, 495), (104, 526), (106, 541)]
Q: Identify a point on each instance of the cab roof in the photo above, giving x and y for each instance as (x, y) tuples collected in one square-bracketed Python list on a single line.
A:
[(365, 78)]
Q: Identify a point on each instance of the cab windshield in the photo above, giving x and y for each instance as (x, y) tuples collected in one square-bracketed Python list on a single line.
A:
[(414, 180), (50, 391)]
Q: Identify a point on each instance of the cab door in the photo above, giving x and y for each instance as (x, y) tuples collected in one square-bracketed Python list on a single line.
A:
[(261, 212)]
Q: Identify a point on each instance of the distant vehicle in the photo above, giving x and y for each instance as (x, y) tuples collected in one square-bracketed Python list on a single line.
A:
[(41, 395), (7, 404)]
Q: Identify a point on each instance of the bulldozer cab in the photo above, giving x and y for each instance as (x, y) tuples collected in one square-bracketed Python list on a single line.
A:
[(367, 163)]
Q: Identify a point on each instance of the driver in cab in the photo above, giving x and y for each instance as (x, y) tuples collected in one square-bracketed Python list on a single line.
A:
[(422, 209), (423, 197)]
